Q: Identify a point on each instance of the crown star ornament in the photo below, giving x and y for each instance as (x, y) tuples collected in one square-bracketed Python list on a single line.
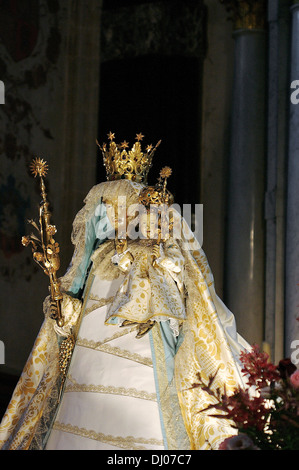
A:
[(123, 162)]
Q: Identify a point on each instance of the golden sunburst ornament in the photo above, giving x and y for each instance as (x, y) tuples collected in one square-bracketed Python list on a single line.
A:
[(39, 167), (165, 172)]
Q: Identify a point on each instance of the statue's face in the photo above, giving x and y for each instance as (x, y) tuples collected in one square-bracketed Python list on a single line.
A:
[(124, 218), (117, 213), (149, 225)]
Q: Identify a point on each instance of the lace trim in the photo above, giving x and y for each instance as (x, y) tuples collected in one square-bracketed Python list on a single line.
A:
[(99, 303), (128, 442), (118, 334), (100, 346), (128, 392)]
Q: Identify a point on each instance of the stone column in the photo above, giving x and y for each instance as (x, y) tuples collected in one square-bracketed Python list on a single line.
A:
[(275, 206), (244, 270), (292, 225)]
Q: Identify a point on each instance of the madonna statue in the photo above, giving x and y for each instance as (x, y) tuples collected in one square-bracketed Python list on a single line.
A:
[(140, 319)]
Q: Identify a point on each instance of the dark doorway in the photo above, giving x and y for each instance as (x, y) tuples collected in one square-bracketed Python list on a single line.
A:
[(160, 97)]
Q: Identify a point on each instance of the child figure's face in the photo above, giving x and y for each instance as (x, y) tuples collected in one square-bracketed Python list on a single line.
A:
[(149, 225)]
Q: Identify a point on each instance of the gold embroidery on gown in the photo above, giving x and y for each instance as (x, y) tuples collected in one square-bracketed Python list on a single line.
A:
[(74, 386), (101, 346), (119, 442)]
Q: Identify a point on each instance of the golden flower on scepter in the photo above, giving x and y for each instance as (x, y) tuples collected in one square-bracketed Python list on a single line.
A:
[(51, 229), (26, 240), (165, 172)]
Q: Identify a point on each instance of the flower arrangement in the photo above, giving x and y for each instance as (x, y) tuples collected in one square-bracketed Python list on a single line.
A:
[(266, 413)]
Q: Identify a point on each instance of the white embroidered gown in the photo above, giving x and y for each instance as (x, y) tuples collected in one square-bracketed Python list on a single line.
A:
[(104, 406)]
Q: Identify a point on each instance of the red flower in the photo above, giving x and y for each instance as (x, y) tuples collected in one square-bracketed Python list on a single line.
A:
[(246, 411), (258, 370)]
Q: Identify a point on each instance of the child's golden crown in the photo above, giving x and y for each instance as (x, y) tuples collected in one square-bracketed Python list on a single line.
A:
[(124, 163)]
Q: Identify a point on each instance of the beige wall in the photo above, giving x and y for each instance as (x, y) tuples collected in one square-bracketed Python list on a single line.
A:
[(51, 112)]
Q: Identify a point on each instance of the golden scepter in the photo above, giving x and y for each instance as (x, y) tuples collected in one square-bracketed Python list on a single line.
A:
[(44, 248)]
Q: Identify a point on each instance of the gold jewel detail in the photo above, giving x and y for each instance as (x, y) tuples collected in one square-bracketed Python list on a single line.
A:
[(133, 164), (65, 354)]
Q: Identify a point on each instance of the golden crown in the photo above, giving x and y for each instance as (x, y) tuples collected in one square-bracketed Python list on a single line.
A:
[(133, 164), (157, 194)]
